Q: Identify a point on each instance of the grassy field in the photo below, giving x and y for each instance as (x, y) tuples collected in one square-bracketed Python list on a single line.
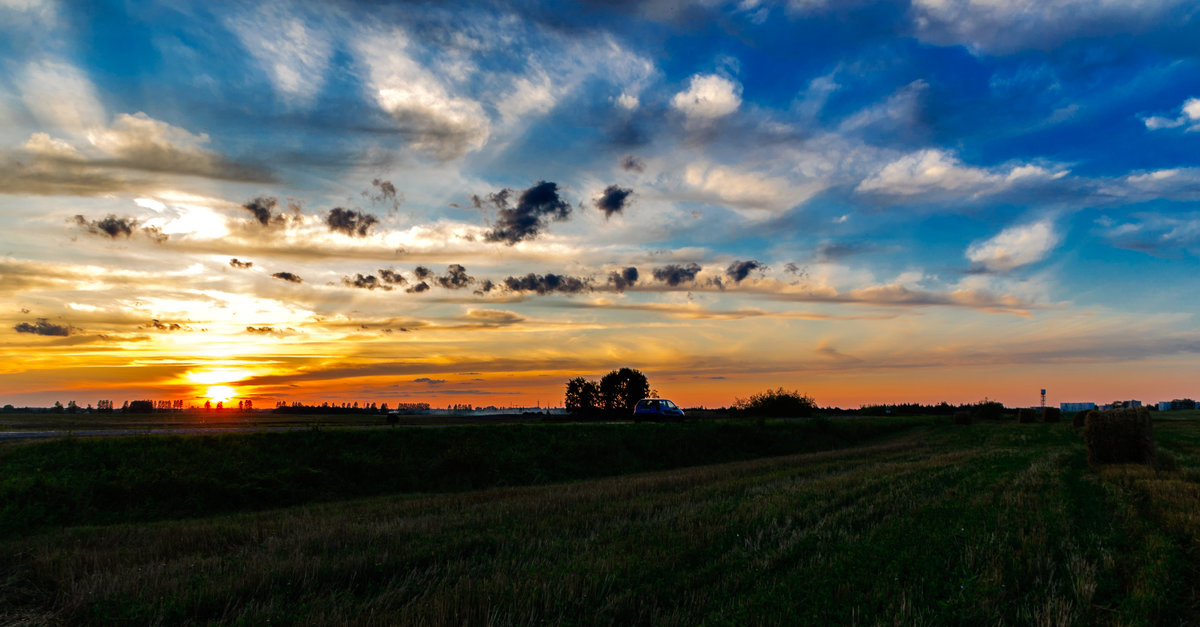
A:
[(942, 524)]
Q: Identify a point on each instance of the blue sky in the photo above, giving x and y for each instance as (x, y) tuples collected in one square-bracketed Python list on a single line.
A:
[(924, 201)]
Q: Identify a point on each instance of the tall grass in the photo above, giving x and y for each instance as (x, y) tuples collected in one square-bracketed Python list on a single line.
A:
[(978, 524), (77, 481)]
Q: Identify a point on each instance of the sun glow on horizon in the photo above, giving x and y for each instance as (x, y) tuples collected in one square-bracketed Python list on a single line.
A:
[(221, 393)]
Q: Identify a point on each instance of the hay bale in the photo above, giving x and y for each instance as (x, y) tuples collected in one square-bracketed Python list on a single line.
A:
[(1027, 415), (1051, 414), (1119, 436), (1080, 418), (962, 418)]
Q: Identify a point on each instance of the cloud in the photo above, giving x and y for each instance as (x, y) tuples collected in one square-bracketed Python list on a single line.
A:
[(547, 284), (367, 282), (613, 200), (429, 381), (1014, 247), (435, 121), (110, 226), (933, 171), (630, 163), (1189, 115), (422, 273), (139, 142), (262, 208), (535, 208), (707, 98), (626, 278), (43, 327), (386, 195), (494, 317), (287, 276), (240, 265), (1158, 234), (1006, 27), (294, 56), (60, 96), (456, 278), (674, 274), (168, 326), (391, 277), (418, 288), (745, 189), (739, 270), (350, 222)]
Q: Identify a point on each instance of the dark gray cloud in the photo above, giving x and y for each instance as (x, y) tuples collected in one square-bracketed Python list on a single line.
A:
[(429, 381), (288, 276), (43, 327), (422, 273), (418, 288), (613, 200), (240, 265), (166, 326), (833, 251), (535, 208), (110, 226), (630, 163), (485, 286), (674, 274), (456, 277), (739, 270), (263, 209), (384, 193), (623, 279), (366, 282), (547, 284), (391, 277), (351, 222)]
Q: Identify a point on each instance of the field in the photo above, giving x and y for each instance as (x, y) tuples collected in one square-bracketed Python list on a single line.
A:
[(905, 522)]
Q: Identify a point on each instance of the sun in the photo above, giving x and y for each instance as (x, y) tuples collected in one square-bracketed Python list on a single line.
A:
[(220, 393)]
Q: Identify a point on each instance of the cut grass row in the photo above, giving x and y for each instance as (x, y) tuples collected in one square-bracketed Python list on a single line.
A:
[(77, 481), (957, 525)]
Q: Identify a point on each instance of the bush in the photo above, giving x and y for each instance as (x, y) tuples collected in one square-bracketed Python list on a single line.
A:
[(988, 410), (1051, 414), (1119, 436), (962, 418), (779, 403), (1025, 414), (1080, 418)]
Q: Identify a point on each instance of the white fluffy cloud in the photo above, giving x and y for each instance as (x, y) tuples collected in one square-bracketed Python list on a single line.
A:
[(933, 171), (1189, 115), (293, 55), (1014, 247), (745, 189), (60, 96), (434, 120), (707, 98)]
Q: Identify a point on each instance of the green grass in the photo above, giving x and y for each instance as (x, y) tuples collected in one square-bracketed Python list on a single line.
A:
[(980, 524), (110, 480)]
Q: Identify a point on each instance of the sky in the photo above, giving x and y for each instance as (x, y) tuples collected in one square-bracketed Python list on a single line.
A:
[(473, 202)]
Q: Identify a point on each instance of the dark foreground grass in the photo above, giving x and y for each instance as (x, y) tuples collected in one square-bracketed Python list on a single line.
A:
[(978, 524), (77, 481)]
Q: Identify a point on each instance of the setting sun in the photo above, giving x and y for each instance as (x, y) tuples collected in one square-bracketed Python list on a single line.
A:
[(220, 393)]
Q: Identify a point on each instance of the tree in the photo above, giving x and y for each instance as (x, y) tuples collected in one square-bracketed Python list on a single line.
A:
[(621, 389), (778, 403), (583, 397)]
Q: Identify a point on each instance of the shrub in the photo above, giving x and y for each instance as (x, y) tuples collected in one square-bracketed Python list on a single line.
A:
[(988, 410), (962, 418), (1080, 418), (1119, 436), (1025, 414), (779, 403), (1051, 414)]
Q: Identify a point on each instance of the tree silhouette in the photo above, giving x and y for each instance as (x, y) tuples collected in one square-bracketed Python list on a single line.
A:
[(621, 389), (583, 397)]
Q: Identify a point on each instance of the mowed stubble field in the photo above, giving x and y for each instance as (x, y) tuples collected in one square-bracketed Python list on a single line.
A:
[(935, 524)]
